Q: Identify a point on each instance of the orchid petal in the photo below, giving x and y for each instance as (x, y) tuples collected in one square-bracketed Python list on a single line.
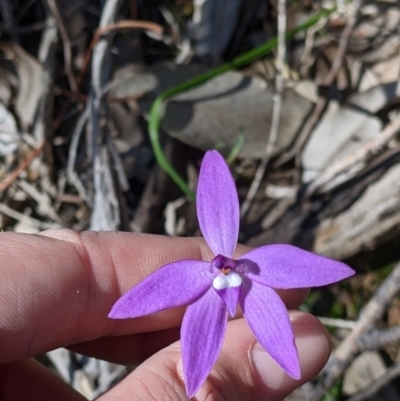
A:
[(175, 284), (286, 266), (217, 205), (202, 334), (268, 319)]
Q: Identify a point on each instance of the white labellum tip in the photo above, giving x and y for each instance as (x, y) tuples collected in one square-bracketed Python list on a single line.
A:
[(223, 281)]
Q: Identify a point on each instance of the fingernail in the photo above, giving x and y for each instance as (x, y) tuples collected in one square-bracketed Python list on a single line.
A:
[(312, 346)]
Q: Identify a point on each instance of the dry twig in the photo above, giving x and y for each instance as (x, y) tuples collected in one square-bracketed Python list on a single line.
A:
[(276, 112), (339, 323), (73, 148), (124, 24), (66, 44), (22, 166), (374, 387), (322, 103), (349, 347), (106, 211), (37, 224), (363, 154), (377, 339)]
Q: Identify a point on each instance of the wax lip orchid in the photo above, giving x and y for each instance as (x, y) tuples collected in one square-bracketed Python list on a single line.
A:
[(213, 289)]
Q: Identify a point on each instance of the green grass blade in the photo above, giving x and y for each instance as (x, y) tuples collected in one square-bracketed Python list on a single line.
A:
[(237, 62)]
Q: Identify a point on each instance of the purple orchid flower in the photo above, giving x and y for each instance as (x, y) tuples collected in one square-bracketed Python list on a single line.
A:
[(213, 289)]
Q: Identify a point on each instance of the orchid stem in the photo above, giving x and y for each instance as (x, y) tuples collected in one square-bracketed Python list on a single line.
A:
[(239, 61)]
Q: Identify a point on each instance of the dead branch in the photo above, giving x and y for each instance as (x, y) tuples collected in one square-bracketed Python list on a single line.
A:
[(377, 339), (276, 112), (339, 323), (22, 166), (349, 347), (374, 387), (40, 225), (362, 156), (124, 24), (66, 44), (322, 102)]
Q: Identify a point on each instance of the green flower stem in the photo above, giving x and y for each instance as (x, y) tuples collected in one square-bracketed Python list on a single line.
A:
[(239, 61)]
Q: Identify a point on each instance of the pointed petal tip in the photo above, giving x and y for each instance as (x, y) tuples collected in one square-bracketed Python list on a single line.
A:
[(232, 313), (191, 392), (294, 371), (115, 313), (338, 272), (112, 315), (349, 271), (213, 153), (290, 363), (213, 157), (119, 311)]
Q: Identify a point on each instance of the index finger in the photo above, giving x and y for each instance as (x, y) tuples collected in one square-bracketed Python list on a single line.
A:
[(58, 287)]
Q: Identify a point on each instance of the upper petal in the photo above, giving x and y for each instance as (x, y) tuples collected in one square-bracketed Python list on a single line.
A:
[(202, 334), (175, 284), (217, 205), (286, 266), (268, 319)]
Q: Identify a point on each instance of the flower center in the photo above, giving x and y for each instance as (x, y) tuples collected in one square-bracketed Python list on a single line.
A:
[(227, 276)]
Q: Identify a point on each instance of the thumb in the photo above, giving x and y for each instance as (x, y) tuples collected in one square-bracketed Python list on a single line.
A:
[(244, 371)]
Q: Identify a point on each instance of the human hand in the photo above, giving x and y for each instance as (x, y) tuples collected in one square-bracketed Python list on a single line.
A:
[(57, 288)]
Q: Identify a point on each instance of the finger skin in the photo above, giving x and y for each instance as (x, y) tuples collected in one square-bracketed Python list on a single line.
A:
[(233, 376), (57, 288), (29, 380), (128, 350), (160, 378)]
